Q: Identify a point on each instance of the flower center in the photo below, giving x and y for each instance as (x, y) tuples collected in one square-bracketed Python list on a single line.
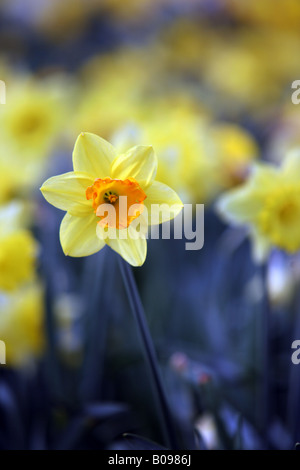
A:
[(280, 218), (110, 197), (122, 195)]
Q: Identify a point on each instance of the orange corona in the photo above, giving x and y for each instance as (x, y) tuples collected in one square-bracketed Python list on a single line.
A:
[(109, 191)]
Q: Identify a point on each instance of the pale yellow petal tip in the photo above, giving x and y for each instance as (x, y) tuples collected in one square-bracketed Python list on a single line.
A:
[(151, 149), (140, 263), (222, 208), (177, 208), (81, 135), (179, 205), (43, 190), (65, 252), (136, 264), (86, 134), (148, 149), (90, 136), (62, 247), (292, 160), (133, 264)]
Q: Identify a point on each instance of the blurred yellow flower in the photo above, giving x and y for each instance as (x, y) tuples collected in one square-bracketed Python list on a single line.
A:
[(18, 250), (235, 149), (95, 111), (268, 204), (30, 123), (177, 130), (236, 72), (106, 80), (100, 178), (182, 161), (234, 67), (17, 259), (198, 157), (11, 181), (268, 12), (21, 325)]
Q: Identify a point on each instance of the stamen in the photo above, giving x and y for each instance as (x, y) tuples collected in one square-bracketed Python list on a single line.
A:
[(113, 198)]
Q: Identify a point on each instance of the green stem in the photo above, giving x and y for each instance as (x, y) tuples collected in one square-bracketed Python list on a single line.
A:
[(266, 355), (149, 351)]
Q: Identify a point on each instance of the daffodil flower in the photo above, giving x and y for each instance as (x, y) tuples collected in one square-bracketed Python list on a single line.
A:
[(18, 249), (30, 126), (268, 204), (22, 324), (99, 179)]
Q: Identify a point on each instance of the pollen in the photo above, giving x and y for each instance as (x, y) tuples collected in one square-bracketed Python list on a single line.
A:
[(110, 197)]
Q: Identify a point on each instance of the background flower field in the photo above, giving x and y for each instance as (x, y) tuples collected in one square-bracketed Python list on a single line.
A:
[(208, 85)]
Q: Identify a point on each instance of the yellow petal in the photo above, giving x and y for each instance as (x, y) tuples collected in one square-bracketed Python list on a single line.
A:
[(133, 251), (261, 246), (93, 155), (264, 176), (139, 162), (78, 235), (243, 204), (67, 192), (291, 165), (239, 206), (159, 193), (11, 217)]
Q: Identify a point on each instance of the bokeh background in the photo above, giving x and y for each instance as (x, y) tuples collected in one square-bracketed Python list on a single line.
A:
[(208, 84)]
